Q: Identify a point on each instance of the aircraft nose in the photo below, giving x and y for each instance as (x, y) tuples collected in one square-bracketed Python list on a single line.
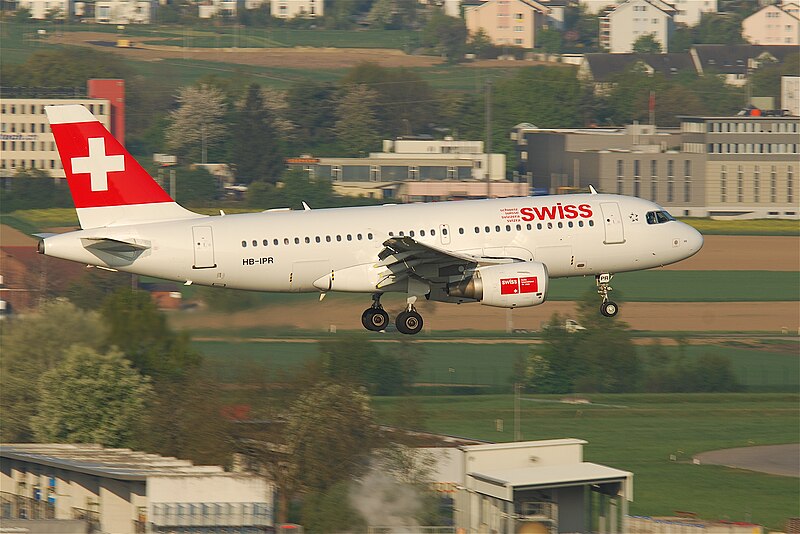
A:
[(693, 240)]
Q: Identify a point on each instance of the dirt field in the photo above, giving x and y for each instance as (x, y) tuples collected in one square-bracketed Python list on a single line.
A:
[(300, 57), (744, 253)]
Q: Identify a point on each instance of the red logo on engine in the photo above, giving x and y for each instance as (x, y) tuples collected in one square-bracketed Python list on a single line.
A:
[(515, 286), (559, 211)]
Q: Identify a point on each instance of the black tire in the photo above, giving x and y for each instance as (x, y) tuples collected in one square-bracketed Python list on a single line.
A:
[(379, 320), (408, 322), (366, 318), (609, 308)]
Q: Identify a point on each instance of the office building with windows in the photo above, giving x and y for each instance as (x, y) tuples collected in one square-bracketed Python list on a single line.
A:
[(742, 166)]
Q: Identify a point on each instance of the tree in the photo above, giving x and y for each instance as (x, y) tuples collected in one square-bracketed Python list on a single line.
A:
[(257, 151), (549, 40), (357, 127), (381, 15), (719, 28), (681, 39), (90, 398), (331, 431), (313, 110), (23, 15), (446, 35), (647, 44), (140, 331), (34, 189), (67, 67), (331, 511), (197, 124), (36, 344), (481, 45)]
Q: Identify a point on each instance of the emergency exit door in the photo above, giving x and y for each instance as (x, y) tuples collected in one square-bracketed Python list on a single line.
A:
[(203, 247)]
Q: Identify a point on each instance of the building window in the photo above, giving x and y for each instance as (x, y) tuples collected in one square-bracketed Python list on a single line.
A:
[(789, 185), (739, 184), (687, 181), (620, 175), (336, 173), (773, 185), (756, 184), (723, 184), (413, 172)]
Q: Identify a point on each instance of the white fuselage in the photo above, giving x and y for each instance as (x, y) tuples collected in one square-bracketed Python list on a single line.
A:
[(287, 251)]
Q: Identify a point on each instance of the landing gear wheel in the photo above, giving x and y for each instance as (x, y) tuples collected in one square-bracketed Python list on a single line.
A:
[(408, 322), (374, 319), (609, 308)]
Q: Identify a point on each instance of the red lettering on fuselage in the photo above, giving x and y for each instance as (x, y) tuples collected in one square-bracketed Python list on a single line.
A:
[(559, 211)]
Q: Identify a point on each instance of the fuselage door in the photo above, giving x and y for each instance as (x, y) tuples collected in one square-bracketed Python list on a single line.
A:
[(203, 247), (444, 234), (612, 221)]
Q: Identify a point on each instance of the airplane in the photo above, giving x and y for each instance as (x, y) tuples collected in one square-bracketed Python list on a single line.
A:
[(499, 252)]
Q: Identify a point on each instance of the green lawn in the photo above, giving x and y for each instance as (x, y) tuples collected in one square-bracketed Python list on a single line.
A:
[(761, 366), (641, 437)]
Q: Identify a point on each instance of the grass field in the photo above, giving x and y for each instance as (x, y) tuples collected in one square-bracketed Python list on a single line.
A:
[(761, 366), (641, 436)]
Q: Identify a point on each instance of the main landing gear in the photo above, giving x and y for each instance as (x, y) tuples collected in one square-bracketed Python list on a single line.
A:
[(376, 319), (608, 308)]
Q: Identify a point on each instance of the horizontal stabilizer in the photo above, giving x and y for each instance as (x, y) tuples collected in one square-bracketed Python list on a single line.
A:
[(112, 246)]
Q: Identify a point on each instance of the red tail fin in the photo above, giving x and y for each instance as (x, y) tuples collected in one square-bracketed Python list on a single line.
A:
[(108, 185)]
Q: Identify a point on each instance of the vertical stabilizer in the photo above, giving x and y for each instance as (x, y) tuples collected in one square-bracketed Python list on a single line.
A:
[(108, 186)]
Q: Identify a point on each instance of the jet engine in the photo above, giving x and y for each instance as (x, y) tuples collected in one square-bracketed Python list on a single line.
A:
[(511, 285)]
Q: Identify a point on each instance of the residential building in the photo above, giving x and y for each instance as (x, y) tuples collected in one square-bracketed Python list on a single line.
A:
[(124, 491), (123, 11), (790, 94), (26, 141), (742, 166), (506, 22), (621, 27), (40, 9), (689, 12), (776, 24), (217, 8), (734, 62), (289, 9), (444, 166), (602, 69)]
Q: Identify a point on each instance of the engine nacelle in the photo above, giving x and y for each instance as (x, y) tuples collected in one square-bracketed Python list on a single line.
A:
[(511, 285)]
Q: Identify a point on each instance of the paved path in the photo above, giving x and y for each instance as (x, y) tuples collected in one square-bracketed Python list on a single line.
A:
[(783, 460)]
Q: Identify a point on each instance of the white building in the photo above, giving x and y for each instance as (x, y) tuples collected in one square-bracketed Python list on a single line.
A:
[(777, 24), (40, 8), (123, 491), (633, 19), (123, 11), (507, 22), (689, 12), (790, 95), (26, 141), (289, 9), (532, 486), (217, 8)]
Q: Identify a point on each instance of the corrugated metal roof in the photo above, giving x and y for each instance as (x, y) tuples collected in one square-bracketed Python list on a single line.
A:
[(552, 475)]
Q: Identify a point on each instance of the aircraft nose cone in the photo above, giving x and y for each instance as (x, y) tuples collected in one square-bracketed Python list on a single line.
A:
[(694, 240)]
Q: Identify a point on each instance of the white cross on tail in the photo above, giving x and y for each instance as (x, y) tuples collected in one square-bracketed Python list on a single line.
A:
[(98, 164)]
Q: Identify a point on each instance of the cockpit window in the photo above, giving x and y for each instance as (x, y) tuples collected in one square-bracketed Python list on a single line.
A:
[(658, 217)]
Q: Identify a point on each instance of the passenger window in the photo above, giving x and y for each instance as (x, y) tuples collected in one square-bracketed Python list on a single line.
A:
[(411, 233), (422, 233), (328, 238), (508, 228), (338, 237), (255, 243), (539, 226), (519, 227), (308, 240), (317, 239), (433, 232), (461, 231), (549, 226), (570, 224), (528, 226), (369, 236), (296, 240), (560, 224), (359, 237), (580, 223), (349, 237), (591, 223), (266, 242), (477, 230), (391, 234), (244, 244), (487, 229), (285, 240), (444, 231), (275, 242), (402, 233), (497, 228)]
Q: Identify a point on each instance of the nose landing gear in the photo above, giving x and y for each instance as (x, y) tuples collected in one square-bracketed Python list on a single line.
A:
[(608, 308)]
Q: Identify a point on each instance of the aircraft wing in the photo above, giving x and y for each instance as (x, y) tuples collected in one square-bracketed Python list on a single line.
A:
[(403, 256)]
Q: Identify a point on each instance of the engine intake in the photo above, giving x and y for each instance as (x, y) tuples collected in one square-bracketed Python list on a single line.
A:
[(514, 285)]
